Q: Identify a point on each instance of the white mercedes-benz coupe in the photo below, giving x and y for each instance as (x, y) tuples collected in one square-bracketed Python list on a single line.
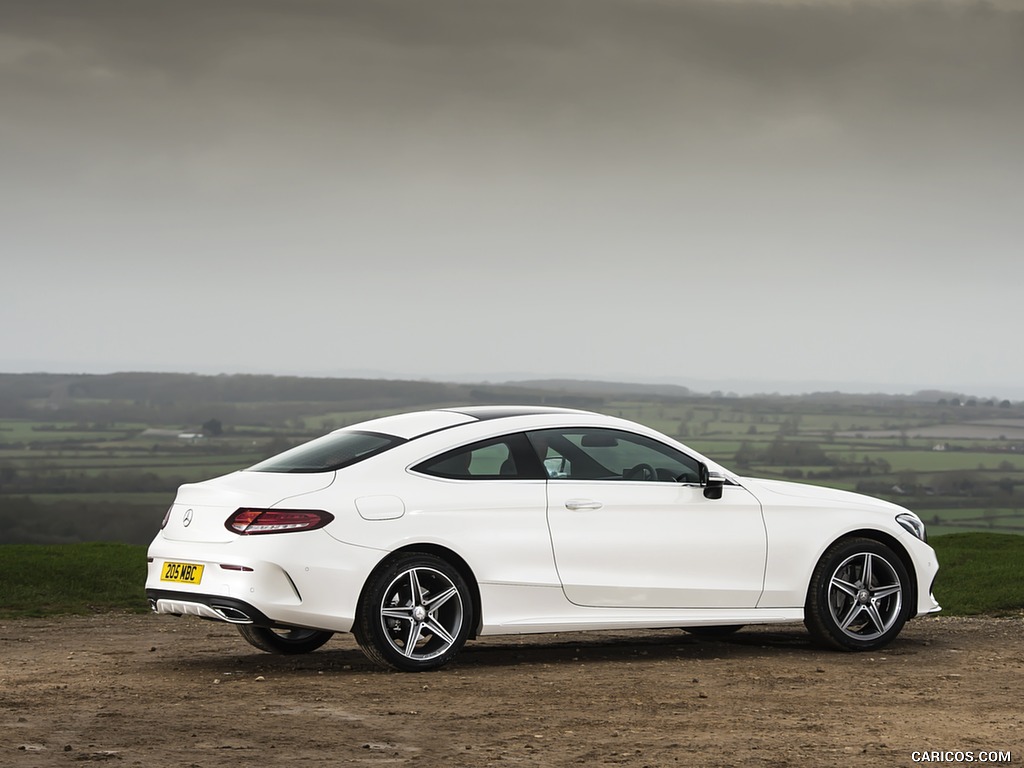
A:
[(419, 531)]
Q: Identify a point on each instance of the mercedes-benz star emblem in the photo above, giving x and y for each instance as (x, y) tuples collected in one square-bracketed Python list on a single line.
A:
[(187, 519)]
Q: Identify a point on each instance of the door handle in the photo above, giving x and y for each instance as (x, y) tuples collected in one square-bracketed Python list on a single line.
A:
[(575, 504)]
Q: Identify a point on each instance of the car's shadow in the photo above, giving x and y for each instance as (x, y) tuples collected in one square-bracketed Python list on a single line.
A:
[(602, 647), (622, 647)]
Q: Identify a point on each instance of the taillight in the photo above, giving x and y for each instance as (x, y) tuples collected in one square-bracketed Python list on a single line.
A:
[(250, 522), (167, 516)]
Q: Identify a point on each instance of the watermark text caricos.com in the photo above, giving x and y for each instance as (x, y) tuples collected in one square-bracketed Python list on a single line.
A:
[(961, 756)]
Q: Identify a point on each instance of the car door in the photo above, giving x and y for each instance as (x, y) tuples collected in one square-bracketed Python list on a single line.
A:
[(630, 526)]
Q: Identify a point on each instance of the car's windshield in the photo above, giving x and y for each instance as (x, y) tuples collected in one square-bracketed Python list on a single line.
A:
[(327, 453)]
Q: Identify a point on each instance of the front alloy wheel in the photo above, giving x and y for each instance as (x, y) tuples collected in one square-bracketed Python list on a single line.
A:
[(859, 596), (415, 614)]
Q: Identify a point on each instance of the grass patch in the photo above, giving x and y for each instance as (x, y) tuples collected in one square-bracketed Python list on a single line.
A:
[(43, 580), (980, 573)]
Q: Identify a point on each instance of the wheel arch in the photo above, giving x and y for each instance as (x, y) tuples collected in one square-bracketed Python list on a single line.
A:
[(449, 556), (892, 543)]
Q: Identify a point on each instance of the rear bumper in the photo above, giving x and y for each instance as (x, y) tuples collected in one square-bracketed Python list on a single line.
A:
[(307, 580), (214, 607)]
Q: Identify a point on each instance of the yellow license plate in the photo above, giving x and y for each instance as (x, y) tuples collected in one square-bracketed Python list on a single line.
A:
[(183, 573)]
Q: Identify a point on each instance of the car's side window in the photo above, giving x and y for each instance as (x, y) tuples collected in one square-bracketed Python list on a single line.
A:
[(495, 459), (609, 454)]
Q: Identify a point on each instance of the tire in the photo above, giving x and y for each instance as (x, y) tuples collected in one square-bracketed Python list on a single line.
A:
[(415, 613), (287, 641), (722, 631), (858, 598)]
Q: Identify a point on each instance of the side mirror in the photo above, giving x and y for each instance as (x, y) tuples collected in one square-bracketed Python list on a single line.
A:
[(711, 482), (703, 473)]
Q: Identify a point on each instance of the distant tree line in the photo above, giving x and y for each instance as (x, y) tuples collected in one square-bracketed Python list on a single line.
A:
[(24, 521), (782, 453), (17, 480), (168, 398)]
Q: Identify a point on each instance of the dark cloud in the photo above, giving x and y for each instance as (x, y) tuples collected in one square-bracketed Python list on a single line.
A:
[(538, 53), (569, 85), (777, 148)]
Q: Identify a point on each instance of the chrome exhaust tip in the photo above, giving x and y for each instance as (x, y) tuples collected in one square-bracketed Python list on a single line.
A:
[(231, 615)]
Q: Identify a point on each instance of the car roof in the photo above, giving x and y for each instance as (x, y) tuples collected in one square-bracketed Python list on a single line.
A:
[(419, 423), (487, 412), (416, 424)]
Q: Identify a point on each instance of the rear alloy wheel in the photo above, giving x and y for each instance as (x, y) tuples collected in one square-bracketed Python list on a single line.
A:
[(858, 599), (415, 614), (288, 641)]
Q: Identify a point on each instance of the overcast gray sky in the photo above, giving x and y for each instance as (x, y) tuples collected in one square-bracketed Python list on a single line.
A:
[(733, 191)]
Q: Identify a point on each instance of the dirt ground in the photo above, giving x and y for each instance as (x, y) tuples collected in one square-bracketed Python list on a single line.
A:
[(180, 693)]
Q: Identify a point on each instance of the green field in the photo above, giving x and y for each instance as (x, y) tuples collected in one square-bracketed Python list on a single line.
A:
[(74, 448), (76, 578)]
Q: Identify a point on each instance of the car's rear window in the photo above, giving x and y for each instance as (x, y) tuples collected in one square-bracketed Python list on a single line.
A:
[(330, 452)]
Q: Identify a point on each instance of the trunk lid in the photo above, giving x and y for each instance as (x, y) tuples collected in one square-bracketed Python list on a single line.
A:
[(201, 509)]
